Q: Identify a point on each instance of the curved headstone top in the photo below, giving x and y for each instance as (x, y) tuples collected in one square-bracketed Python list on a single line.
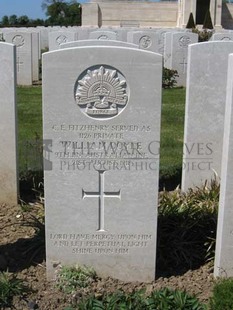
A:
[(97, 43)]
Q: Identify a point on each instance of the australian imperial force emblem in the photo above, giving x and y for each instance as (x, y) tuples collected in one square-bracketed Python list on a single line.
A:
[(101, 92)]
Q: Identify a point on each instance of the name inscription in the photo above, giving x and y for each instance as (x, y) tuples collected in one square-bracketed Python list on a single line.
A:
[(105, 147)]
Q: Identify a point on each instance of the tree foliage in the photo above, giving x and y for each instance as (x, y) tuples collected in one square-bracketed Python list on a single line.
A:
[(62, 13), (207, 24), (59, 12), (20, 21), (191, 23)]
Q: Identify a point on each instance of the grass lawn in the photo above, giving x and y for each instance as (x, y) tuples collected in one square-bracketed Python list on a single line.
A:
[(29, 103), (30, 129), (172, 130)]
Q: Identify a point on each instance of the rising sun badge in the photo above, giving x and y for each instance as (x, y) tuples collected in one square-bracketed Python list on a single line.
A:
[(101, 92)]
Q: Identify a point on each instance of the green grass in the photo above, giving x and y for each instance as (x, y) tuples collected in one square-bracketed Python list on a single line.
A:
[(222, 295), (30, 127), (172, 130), (187, 225), (164, 299), (29, 112), (69, 278), (10, 286), (29, 105)]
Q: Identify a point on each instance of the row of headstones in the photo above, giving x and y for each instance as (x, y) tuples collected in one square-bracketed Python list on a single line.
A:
[(29, 44), (103, 125), (168, 42), (171, 43)]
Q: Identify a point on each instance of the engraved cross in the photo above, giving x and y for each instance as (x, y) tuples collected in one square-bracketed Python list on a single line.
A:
[(18, 64), (101, 194), (184, 63)]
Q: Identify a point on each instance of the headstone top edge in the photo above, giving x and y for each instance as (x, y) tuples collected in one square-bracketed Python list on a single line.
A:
[(211, 43), (7, 44), (136, 50), (102, 41)]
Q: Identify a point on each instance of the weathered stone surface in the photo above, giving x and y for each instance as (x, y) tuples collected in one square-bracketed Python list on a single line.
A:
[(224, 36), (23, 42), (205, 110), (179, 52), (97, 42), (8, 126), (224, 244), (102, 132), (103, 35), (146, 40), (56, 38)]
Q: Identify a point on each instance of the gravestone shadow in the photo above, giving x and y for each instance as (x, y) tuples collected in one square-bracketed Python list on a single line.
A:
[(22, 254)]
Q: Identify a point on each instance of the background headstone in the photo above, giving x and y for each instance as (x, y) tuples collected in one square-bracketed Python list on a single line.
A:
[(103, 35), (103, 131), (167, 50), (44, 37), (56, 38), (225, 36), (97, 42), (8, 126), (35, 56), (23, 42), (204, 111), (160, 37), (224, 242), (144, 39), (179, 53)]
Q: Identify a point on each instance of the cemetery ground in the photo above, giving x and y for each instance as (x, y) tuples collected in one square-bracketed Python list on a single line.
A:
[(186, 223)]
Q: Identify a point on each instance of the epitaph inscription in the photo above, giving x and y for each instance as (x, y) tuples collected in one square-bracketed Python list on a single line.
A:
[(101, 243)]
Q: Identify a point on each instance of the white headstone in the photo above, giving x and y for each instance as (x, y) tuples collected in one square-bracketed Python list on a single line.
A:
[(179, 53), (103, 35), (8, 126), (23, 42), (144, 39), (167, 50), (160, 37), (204, 112), (225, 36), (35, 56), (44, 37), (103, 127), (56, 38), (83, 32), (97, 42), (224, 244)]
